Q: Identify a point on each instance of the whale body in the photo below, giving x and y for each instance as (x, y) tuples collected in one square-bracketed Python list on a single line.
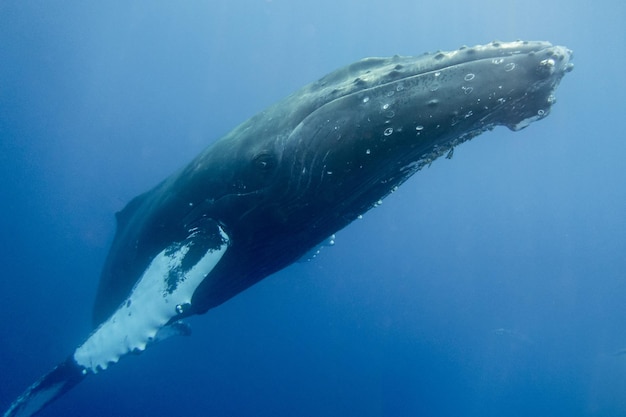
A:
[(279, 184)]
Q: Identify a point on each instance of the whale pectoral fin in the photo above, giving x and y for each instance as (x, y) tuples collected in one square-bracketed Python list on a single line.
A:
[(48, 388), (160, 296)]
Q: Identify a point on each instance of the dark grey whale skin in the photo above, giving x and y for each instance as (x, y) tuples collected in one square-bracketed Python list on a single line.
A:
[(289, 177)]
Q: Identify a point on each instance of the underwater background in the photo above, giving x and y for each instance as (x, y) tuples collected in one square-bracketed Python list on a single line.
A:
[(492, 284)]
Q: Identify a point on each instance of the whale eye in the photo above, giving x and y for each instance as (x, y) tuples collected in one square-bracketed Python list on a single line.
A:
[(264, 162)]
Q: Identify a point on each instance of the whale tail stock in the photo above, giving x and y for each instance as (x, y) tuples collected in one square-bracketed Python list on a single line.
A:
[(48, 388)]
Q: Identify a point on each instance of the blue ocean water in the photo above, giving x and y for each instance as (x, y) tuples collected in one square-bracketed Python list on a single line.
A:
[(492, 284)]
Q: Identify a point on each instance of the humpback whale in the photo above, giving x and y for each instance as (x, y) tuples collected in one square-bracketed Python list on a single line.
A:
[(280, 183)]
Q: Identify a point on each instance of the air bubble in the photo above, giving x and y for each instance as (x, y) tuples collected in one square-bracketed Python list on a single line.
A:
[(467, 90), (509, 67), (438, 73), (390, 114), (367, 152), (497, 61), (400, 87), (388, 131), (366, 99), (434, 87), (541, 112), (385, 106), (390, 93), (419, 127), (469, 77), (360, 216)]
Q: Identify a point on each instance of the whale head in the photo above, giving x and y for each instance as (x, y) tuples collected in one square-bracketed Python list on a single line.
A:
[(365, 128)]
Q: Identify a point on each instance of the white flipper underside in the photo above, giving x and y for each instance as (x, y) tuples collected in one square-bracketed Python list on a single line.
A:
[(152, 303)]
